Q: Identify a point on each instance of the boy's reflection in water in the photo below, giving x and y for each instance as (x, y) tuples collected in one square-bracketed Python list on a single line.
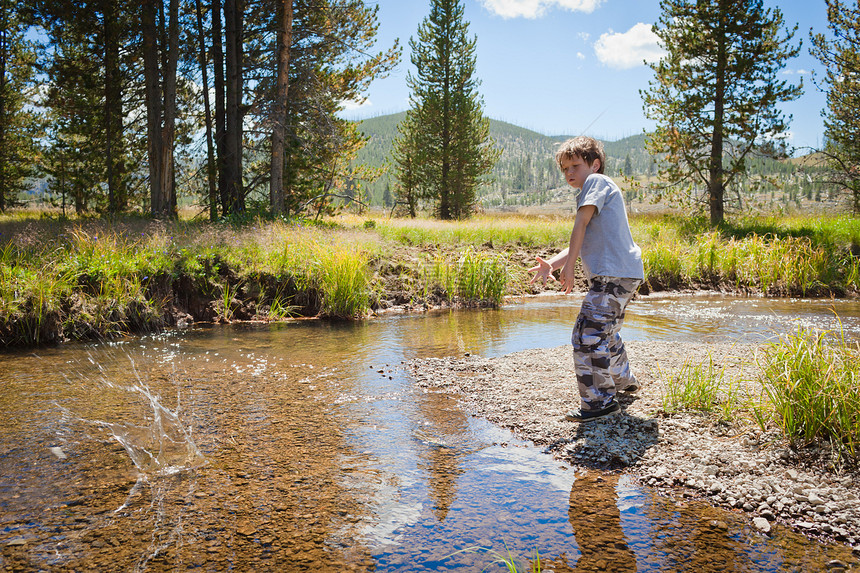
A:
[(596, 523)]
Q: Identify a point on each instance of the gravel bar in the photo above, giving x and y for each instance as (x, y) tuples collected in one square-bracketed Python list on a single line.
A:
[(686, 454)]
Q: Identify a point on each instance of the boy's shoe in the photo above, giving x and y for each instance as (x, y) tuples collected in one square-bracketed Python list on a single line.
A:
[(583, 416), (631, 388)]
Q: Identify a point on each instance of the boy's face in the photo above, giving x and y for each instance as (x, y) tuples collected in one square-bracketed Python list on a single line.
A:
[(576, 170)]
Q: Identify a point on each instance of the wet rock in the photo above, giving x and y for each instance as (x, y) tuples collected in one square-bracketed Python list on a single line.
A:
[(761, 524), (58, 452)]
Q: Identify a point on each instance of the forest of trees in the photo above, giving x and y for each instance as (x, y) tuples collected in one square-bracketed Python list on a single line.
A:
[(234, 106), (130, 106)]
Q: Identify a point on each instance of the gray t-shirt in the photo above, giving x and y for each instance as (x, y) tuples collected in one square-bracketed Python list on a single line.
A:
[(608, 248)]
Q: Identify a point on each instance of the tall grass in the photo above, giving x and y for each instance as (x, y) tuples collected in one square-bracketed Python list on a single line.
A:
[(78, 280), (88, 276), (345, 283), (498, 231), (785, 256), (702, 387), (813, 384), (332, 265), (810, 391), (475, 276), (772, 265)]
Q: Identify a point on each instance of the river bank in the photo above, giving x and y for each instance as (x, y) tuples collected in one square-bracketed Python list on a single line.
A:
[(92, 279), (688, 455)]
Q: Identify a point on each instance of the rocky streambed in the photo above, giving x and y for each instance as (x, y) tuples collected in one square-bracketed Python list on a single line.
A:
[(686, 454)]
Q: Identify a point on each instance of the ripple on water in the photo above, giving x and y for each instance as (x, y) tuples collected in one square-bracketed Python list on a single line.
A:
[(316, 461)]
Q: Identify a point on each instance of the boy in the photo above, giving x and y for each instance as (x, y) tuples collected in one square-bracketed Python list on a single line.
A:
[(613, 265)]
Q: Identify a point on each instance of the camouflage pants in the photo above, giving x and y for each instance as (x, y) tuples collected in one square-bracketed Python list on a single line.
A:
[(599, 357)]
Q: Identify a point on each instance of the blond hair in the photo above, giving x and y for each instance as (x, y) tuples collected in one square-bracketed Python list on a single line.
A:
[(586, 148)]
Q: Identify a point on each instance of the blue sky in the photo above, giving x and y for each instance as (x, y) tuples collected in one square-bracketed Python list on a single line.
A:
[(574, 66)]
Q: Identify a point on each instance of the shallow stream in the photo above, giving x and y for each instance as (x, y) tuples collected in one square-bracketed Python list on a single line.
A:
[(305, 446)]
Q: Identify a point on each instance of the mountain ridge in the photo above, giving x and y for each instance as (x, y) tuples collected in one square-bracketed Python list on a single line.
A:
[(526, 172)]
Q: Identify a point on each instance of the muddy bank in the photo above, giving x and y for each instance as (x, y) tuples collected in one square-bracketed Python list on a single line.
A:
[(687, 454), (218, 292)]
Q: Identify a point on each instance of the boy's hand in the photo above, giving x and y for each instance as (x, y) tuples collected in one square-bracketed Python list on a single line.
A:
[(542, 270), (567, 278)]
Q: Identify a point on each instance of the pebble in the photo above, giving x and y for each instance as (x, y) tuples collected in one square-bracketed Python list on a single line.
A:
[(761, 524)]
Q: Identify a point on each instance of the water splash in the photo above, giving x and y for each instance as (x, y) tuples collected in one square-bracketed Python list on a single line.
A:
[(158, 442), (162, 444)]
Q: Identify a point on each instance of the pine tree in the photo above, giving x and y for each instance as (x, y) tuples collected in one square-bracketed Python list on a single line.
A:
[(331, 60), (408, 162), (716, 91), (19, 127), (91, 83), (446, 120), (841, 55)]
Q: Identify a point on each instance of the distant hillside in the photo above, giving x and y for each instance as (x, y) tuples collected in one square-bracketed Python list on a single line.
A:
[(526, 172)]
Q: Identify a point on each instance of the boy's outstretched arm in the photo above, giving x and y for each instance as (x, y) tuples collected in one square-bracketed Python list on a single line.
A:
[(568, 273), (543, 269)]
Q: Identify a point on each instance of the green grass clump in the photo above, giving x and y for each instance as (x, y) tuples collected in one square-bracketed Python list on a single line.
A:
[(344, 283), (813, 384), (475, 276), (508, 560), (701, 387), (482, 277)]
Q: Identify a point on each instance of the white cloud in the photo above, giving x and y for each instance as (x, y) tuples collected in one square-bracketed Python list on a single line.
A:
[(352, 105), (628, 50), (536, 8), (580, 56)]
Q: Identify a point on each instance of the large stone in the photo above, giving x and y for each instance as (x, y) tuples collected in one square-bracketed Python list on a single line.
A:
[(762, 524)]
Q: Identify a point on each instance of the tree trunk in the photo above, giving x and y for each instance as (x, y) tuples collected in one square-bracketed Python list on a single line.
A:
[(444, 190), (211, 170), (117, 198), (4, 55), (168, 131), (279, 121), (149, 30), (233, 135), (716, 183), (220, 105)]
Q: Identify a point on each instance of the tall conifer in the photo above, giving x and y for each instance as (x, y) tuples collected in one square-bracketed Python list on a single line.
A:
[(841, 54), (18, 126), (716, 93), (446, 122)]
